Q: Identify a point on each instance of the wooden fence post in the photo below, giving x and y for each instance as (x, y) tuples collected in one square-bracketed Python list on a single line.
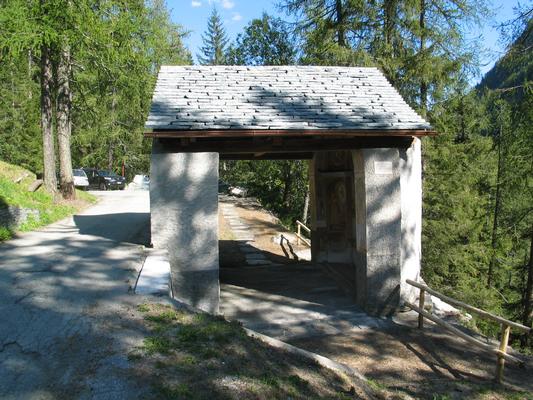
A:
[(504, 340), (421, 301), (299, 233)]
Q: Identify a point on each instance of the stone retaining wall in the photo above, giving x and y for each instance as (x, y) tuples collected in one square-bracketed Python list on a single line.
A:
[(12, 217)]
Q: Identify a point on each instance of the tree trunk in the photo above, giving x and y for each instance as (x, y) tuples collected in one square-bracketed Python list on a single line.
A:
[(423, 83), (30, 67), (110, 157), (341, 31), (64, 126), (111, 148), (49, 155), (461, 138), (287, 185), (306, 206), (497, 206), (389, 23), (527, 318)]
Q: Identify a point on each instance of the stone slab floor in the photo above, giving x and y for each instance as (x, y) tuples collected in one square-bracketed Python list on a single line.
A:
[(266, 288)]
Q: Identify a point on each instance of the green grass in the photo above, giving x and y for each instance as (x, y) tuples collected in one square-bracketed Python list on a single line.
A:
[(200, 356), (16, 194)]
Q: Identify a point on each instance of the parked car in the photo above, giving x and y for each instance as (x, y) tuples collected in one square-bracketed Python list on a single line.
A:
[(223, 187), (140, 182), (96, 180), (80, 179), (237, 191), (113, 181)]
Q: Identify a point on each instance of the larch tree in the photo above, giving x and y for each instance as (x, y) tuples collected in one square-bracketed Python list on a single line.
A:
[(49, 154), (64, 121), (95, 66)]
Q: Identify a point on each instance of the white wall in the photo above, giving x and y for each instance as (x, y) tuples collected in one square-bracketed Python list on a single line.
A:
[(411, 206)]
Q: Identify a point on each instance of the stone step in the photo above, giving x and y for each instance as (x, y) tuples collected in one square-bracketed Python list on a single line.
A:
[(155, 275)]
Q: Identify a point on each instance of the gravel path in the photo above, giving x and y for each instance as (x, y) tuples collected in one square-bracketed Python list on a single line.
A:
[(65, 300)]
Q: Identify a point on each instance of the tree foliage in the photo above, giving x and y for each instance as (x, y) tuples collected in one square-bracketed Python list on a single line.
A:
[(116, 50), (215, 42), (420, 45), (265, 41)]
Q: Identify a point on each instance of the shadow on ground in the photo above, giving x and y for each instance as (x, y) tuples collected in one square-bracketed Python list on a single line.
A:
[(121, 227), (425, 364)]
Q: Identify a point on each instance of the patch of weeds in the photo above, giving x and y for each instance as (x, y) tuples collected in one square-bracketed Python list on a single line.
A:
[(186, 362), (134, 356), (492, 391), (175, 392), (519, 396), (207, 352), (202, 318), (297, 381), (220, 332), (5, 233), (157, 344), (188, 334), (165, 317), (144, 308), (376, 385), (160, 364), (211, 365), (344, 396), (269, 380), (163, 321), (291, 385)]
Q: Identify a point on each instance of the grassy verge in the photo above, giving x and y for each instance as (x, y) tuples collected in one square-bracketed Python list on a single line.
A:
[(16, 194), (198, 356)]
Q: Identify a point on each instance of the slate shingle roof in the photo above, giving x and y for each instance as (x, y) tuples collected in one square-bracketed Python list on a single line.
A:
[(285, 97)]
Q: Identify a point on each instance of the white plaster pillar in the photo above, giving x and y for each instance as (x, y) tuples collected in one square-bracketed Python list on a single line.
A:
[(184, 221), (411, 186)]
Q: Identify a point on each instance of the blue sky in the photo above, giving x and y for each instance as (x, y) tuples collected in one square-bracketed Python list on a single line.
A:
[(193, 15)]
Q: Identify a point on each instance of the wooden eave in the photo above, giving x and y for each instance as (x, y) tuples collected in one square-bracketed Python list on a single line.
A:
[(322, 133)]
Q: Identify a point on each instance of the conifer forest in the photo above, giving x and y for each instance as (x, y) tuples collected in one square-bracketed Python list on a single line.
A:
[(76, 80)]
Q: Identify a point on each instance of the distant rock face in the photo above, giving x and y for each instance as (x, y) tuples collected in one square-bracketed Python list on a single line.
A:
[(12, 217)]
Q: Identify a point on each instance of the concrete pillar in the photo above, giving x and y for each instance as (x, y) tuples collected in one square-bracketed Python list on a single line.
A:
[(411, 245), (377, 255), (184, 221)]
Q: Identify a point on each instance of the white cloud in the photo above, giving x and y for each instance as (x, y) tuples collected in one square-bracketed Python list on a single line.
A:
[(196, 3), (228, 4), (236, 17)]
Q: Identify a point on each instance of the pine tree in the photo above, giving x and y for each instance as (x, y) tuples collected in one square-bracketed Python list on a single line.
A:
[(215, 42)]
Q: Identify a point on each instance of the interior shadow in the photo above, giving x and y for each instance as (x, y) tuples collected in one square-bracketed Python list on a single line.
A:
[(282, 276)]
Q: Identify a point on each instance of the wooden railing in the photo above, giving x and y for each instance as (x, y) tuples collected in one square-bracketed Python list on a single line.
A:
[(299, 235), (506, 325)]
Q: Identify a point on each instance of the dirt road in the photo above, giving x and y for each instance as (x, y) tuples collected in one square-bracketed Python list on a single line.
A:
[(64, 301)]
